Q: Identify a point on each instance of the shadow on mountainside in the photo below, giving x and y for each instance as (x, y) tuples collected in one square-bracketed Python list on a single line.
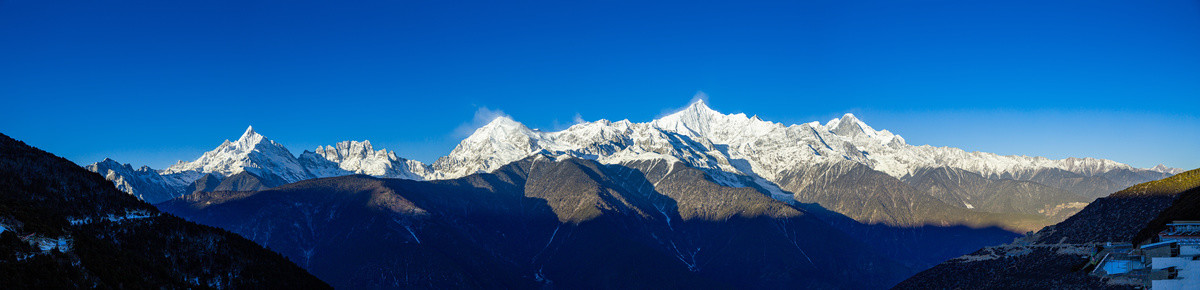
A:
[(575, 223), (1058, 256), (540, 222), (918, 247)]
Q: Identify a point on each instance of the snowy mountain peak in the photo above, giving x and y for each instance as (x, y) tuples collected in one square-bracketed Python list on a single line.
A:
[(698, 108), (694, 120), (350, 149), (250, 137), (111, 162), (848, 125), (251, 152), (502, 122), (1164, 169), (500, 128), (501, 141), (354, 157), (696, 135)]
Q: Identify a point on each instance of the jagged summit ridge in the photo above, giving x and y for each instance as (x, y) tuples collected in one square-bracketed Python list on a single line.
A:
[(706, 138), (696, 135), (354, 157), (264, 158)]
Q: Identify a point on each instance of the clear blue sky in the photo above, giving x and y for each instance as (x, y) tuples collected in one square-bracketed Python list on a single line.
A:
[(151, 82)]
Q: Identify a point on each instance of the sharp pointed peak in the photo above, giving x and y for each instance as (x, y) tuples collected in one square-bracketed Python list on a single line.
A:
[(250, 136), (847, 118), (699, 98), (249, 132), (699, 104), (849, 125), (111, 162)]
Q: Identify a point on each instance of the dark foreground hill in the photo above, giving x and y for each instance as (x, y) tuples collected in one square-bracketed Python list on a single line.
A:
[(1056, 256), (538, 222), (64, 227)]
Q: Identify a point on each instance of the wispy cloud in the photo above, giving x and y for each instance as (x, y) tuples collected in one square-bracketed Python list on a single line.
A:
[(575, 120), (698, 97), (483, 116), (578, 119)]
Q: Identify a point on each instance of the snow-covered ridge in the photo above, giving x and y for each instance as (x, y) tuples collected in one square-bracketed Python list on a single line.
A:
[(697, 135), (361, 158), (251, 152), (254, 153), (704, 138)]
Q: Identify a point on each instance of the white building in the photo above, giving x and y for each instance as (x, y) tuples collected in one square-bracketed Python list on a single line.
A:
[(1175, 259)]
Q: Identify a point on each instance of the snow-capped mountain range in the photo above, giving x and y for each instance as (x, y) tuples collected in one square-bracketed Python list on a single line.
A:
[(739, 147), (734, 143), (252, 153)]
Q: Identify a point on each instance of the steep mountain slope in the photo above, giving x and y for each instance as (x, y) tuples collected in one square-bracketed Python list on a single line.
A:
[(942, 237), (144, 183), (541, 221), (873, 197), (1054, 256), (957, 186), (64, 227), (1186, 207)]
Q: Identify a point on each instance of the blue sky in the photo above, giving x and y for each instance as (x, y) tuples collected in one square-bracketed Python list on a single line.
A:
[(152, 82)]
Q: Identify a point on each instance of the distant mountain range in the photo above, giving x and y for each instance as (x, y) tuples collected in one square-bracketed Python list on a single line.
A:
[(669, 188), (787, 162), (255, 162)]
